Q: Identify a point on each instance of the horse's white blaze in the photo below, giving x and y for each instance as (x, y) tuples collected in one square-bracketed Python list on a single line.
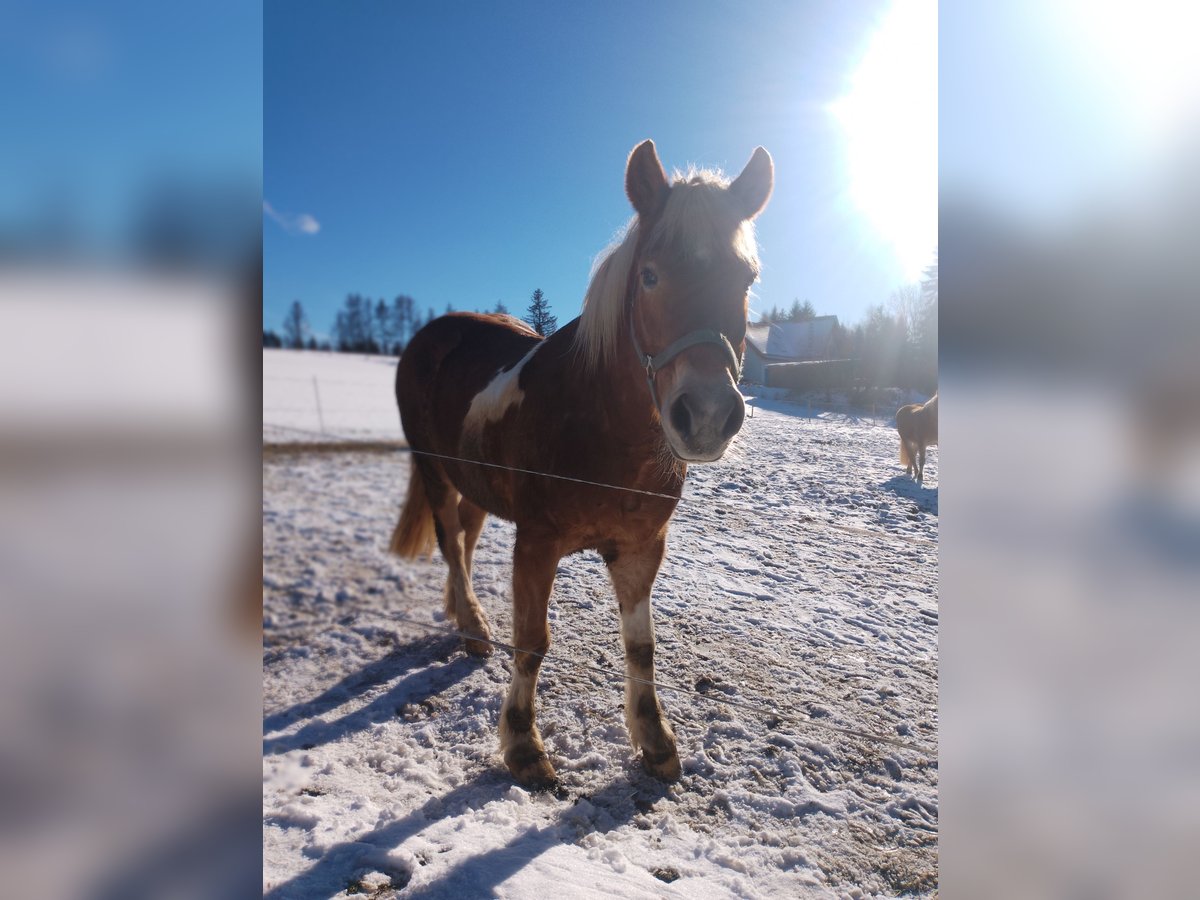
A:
[(502, 393)]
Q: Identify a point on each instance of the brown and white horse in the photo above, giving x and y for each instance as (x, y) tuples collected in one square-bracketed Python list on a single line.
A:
[(918, 427), (625, 396)]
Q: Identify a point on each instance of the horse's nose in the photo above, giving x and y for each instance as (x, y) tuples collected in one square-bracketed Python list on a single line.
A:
[(682, 417), (701, 416), (737, 415)]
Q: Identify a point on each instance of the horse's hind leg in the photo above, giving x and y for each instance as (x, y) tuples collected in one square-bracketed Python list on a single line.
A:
[(534, 565), (920, 463), (471, 517), (461, 603), (633, 570)]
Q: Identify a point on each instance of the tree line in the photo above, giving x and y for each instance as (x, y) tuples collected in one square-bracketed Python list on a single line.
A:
[(379, 327), (895, 344)]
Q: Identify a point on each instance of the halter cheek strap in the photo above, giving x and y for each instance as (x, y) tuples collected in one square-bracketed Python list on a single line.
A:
[(655, 363)]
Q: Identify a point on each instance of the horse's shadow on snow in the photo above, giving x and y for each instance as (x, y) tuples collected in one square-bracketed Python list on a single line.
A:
[(612, 807), (924, 496), (423, 678)]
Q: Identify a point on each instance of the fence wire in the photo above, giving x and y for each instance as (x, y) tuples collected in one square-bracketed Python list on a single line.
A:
[(795, 720)]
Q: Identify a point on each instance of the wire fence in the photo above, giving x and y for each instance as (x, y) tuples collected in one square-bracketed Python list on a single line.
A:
[(318, 409), (345, 441), (342, 442)]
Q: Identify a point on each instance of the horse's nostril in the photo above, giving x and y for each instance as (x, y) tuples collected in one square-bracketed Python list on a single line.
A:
[(681, 417), (733, 423)]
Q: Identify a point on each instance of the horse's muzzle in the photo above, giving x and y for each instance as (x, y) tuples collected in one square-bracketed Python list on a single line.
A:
[(700, 420)]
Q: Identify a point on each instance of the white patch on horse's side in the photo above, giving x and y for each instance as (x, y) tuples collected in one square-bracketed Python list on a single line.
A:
[(502, 393)]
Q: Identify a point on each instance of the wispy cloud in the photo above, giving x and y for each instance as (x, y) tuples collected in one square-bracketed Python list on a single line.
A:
[(300, 223)]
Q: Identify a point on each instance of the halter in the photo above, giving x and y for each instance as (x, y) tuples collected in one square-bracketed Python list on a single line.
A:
[(655, 363)]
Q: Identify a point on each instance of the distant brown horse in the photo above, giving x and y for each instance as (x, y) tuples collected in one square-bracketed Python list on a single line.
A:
[(625, 396), (918, 426)]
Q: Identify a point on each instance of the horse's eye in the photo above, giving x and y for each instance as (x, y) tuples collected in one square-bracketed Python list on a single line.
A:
[(649, 279)]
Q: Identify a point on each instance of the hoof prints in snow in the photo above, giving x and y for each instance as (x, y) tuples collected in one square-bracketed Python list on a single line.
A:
[(381, 770)]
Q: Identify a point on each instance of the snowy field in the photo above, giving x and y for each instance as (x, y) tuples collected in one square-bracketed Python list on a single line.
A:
[(307, 392), (799, 596)]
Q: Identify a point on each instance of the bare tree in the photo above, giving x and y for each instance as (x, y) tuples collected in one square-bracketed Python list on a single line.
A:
[(907, 305), (295, 326), (404, 321)]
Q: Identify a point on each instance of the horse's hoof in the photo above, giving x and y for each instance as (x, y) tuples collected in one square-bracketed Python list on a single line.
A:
[(477, 648), (663, 766), (531, 768)]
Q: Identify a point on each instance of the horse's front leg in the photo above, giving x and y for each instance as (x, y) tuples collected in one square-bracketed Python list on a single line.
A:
[(534, 565), (633, 569)]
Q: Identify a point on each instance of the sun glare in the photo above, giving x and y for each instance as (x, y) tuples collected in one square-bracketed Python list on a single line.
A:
[(889, 122), (1142, 59)]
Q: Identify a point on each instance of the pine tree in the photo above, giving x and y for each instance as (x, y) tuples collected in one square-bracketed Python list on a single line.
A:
[(500, 308), (538, 315)]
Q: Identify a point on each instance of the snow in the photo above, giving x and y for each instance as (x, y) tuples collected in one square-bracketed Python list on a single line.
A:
[(310, 392), (799, 590)]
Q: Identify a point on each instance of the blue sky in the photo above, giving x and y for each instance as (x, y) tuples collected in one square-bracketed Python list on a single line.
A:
[(469, 153), (106, 100)]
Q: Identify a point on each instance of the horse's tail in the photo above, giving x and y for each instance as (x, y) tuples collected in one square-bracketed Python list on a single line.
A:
[(414, 535), (903, 417)]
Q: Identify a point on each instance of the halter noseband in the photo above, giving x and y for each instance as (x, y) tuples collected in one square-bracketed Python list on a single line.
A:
[(655, 363)]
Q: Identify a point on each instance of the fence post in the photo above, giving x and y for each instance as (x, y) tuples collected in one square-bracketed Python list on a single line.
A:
[(320, 415)]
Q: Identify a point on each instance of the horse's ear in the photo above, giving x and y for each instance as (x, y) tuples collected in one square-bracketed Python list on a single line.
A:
[(752, 188), (645, 181)]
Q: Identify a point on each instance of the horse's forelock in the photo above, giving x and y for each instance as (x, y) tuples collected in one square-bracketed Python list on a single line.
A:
[(700, 221)]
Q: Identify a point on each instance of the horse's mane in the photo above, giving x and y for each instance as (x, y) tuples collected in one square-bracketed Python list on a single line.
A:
[(698, 221)]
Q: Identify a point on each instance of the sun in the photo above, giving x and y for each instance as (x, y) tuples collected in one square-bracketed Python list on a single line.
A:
[(888, 119)]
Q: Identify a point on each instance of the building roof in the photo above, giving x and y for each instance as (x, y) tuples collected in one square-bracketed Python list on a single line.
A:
[(756, 338), (792, 340)]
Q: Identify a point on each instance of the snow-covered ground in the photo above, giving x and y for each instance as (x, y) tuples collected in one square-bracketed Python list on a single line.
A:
[(308, 392), (799, 591)]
